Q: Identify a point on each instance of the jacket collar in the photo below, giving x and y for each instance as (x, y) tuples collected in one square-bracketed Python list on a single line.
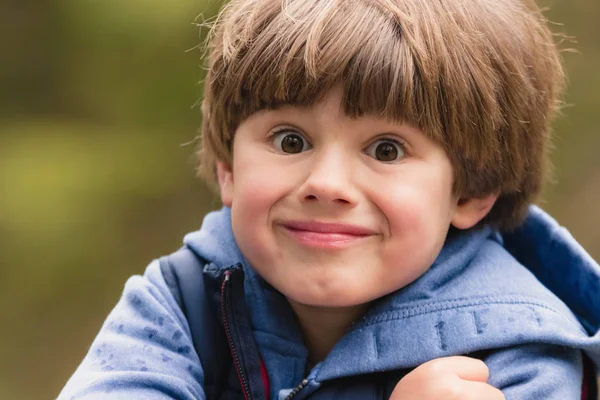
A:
[(475, 296)]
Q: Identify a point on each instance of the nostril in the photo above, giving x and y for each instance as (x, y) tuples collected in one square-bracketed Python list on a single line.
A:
[(311, 197), (343, 201)]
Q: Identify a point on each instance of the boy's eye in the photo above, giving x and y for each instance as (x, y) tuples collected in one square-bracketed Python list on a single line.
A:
[(290, 142), (385, 150)]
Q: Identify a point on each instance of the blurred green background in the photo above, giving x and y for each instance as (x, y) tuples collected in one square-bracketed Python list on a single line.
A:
[(96, 166)]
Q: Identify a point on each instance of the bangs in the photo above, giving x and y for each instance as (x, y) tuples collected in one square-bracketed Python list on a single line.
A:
[(294, 53)]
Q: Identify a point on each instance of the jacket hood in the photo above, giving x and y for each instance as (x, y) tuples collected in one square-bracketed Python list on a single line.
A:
[(482, 292), (560, 263)]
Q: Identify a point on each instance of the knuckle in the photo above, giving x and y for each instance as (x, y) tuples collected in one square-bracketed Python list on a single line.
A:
[(453, 390), (433, 368)]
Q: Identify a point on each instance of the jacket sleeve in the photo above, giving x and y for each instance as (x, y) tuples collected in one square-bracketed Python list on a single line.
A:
[(143, 350), (536, 371)]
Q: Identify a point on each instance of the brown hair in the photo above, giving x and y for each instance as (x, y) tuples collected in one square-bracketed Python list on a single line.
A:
[(480, 77)]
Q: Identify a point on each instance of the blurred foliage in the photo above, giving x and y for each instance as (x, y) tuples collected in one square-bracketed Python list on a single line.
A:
[(96, 102)]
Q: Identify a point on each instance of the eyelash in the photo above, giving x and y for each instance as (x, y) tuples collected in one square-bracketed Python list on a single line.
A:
[(279, 131)]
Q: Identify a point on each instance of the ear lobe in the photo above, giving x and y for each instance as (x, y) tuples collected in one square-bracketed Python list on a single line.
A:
[(225, 178), (470, 211)]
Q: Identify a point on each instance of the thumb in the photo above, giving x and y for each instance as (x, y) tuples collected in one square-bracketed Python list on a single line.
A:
[(466, 368)]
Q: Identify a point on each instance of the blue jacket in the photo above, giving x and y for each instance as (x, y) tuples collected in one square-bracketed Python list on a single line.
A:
[(477, 299)]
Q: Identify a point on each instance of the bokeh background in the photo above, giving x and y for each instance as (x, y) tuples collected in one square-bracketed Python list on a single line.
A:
[(97, 123)]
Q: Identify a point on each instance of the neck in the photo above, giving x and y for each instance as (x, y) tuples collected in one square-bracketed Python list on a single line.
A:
[(323, 327)]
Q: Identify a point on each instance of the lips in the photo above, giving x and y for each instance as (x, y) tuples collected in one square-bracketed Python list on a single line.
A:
[(323, 227), (326, 235)]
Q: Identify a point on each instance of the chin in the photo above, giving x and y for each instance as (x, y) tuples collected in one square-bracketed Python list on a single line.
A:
[(329, 299)]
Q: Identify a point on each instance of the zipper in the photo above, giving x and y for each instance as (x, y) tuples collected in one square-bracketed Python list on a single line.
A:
[(225, 307), (297, 389)]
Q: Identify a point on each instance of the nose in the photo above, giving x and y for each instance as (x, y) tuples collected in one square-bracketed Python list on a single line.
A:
[(330, 180)]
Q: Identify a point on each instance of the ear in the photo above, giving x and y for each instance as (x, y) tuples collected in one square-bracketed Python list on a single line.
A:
[(470, 211), (225, 177)]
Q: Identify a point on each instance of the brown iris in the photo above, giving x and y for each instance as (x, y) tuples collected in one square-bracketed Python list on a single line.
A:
[(386, 152), (292, 144)]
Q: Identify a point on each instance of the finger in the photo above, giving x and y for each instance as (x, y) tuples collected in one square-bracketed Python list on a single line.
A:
[(479, 390), (466, 368)]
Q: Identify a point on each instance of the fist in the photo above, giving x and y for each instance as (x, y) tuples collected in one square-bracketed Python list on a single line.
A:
[(449, 378)]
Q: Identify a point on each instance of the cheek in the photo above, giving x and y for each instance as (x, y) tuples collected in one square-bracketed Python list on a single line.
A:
[(421, 198), (250, 220), (258, 189), (417, 216), (250, 210), (409, 208), (256, 185)]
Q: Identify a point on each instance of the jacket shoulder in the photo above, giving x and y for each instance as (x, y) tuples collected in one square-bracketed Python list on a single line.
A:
[(143, 349)]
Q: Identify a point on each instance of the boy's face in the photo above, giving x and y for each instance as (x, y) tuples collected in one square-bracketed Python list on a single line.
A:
[(334, 211)]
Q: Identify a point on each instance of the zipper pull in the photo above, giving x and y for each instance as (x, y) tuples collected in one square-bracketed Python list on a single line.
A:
[(296, 390)]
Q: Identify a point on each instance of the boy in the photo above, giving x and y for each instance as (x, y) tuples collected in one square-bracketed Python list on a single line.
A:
[(367, 154)]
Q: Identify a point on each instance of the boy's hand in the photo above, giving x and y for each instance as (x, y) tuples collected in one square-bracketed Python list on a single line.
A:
[(449, 378)]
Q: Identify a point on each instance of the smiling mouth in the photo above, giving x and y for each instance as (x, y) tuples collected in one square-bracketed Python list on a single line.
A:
[(326, 235)]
